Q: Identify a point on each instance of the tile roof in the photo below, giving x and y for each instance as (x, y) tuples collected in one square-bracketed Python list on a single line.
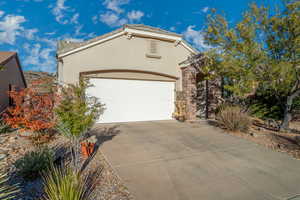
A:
[(5, 55), (66, 46)]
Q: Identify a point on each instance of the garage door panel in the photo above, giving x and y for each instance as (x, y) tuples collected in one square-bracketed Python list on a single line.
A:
[(134, 100)]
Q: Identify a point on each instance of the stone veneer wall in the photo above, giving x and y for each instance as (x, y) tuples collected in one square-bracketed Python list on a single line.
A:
[(189, 88), (198, 98)]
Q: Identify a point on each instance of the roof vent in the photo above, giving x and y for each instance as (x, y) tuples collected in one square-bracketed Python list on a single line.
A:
[(153, 49)]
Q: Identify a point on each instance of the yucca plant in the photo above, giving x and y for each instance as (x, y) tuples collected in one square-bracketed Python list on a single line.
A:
[(64, 183), (7, 191)]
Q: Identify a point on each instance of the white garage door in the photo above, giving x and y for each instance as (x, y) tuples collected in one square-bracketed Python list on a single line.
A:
[(134, 100)]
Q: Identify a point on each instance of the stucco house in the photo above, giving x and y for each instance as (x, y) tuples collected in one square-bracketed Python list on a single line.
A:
[(135, 71), (11, 76)]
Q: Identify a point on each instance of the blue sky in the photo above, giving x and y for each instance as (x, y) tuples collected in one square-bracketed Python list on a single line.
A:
[(32, 27)]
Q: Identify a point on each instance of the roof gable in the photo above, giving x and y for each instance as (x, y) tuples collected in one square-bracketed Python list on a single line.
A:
[(66, 48), (5, 56)]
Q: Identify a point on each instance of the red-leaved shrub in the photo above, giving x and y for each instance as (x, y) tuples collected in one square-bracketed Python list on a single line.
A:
[(32, 109)]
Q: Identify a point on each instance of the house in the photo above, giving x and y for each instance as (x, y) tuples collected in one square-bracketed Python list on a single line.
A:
[(11, 76), (134, 70)]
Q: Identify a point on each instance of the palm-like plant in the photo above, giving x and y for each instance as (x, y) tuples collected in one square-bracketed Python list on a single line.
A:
[(66, 184), (7, 192)]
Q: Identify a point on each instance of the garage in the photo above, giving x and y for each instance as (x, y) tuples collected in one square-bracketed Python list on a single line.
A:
[(134, 100), (136, 71)]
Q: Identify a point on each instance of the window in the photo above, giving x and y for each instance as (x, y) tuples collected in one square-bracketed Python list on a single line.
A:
[(10, 100)]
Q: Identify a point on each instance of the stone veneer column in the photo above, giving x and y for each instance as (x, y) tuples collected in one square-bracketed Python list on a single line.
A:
[(189, 88)]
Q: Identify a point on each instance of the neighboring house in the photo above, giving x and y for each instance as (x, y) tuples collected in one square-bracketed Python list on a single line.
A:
[(32, 76), (11, 76), (135, 71)]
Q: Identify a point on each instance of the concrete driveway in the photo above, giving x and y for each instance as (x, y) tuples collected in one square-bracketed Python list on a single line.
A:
[(168, 160)]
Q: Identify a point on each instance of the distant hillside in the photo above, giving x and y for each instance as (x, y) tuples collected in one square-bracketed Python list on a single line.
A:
[(35, 76)]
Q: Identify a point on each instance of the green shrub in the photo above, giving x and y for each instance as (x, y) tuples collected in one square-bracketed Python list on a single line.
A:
[(7, 191), (65, 184), (233, 118), (35, 162), (76, 111), (4, 128)]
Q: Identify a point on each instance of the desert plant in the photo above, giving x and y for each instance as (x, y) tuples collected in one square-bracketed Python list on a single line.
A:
[(32, 110), (180, 107), (4, 127), (7, 191), (76, 114), (233, 118), (77, 111), (35, 162), (63, 183)]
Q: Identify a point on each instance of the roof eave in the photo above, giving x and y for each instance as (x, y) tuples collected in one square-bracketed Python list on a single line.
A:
[(134, 32)]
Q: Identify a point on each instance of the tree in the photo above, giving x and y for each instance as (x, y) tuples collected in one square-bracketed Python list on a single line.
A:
[(260, 54), (76, 113)]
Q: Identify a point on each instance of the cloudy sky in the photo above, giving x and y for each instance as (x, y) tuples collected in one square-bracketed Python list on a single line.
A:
[(32, 27)]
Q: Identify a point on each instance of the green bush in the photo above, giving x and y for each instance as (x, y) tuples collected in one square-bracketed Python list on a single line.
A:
[(35, 162), (76, 111), (65, 184), (4, 128), (7, 191), (233, 118)]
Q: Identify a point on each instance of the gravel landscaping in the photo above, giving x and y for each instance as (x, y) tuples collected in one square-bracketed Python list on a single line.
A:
[(13, 147), (279, 141)]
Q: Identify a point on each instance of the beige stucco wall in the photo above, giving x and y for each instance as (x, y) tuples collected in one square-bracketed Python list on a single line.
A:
[(124, 53), (9, 75)]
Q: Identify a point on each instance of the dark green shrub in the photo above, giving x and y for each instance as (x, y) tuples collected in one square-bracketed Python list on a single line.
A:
[(233, 118), (35, 162)]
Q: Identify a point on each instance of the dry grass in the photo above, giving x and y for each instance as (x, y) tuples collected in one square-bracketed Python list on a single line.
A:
[(233, 118)]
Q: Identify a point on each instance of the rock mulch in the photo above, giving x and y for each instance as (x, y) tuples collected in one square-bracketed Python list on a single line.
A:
[(282, 142), (13, 147), (110, 186)]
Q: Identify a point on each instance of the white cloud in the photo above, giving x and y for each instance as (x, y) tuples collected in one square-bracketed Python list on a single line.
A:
[(195, 37), (31, 0), (112, 19), (95, 19), (173, 28), (1, 13), (78, 29), (10, 28), (91, 35), (74, 39), (115, 5), (115, 15), (42, 59), (50, 33), (58, 11), (29, 33), (205, 9), (135, 15), (74, 19)]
